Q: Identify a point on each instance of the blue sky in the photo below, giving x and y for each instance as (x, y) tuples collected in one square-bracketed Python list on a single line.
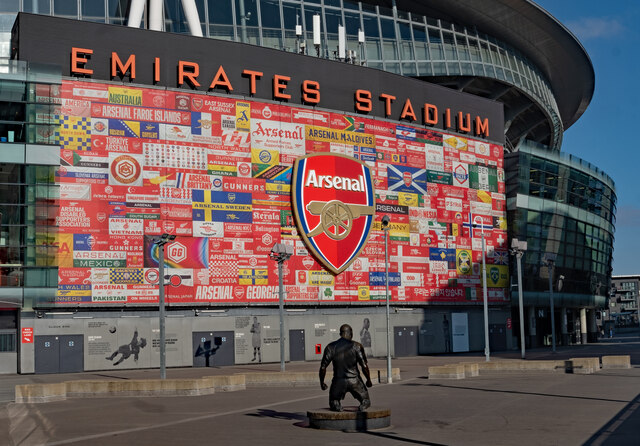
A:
[(607, 133)]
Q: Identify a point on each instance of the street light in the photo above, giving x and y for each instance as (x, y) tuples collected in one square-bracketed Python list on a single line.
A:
[(385, 227), (484, 289), (163, 240), (517, 249), (549, 259), (281, 253)]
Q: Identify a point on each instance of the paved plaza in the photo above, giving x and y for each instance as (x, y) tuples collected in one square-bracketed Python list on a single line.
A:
[(514, 408)]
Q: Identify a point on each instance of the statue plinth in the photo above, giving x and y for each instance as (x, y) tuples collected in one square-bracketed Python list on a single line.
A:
[(350, 419)]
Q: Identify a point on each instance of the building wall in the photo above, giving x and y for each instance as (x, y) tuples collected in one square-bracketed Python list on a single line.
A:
[(102, 334)]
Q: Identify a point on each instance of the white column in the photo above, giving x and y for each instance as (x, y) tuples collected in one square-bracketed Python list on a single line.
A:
[(193, 19), (583, 325), (135, 13), (155, 15)]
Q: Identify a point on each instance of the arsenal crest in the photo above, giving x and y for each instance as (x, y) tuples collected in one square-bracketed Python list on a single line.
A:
[(334, 207)]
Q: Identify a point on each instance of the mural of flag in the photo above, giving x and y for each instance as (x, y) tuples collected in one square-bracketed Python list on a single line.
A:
[(407, 179), (500, 257), (483, 178)]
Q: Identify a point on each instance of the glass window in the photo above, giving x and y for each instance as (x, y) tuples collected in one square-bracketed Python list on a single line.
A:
[(390, 51), (270, 13), (368, 7), (393, 67), (247, 10), (65, 8), (409, 69), (351, 5), (333, 20), (424, 69), (220, 12), (289, 14), (93, 10), (405, 31), (439, 69), (474, 50), (35, 6), (370, 27), (388, 29), (117, 12), (406, 50), (9, 6), (352, 23)]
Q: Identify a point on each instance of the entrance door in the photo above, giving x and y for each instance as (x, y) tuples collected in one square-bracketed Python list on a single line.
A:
[(405, 341), (71, 353), (296, 345), (59, 354), (497, 337), (47, 354), (213, 348)]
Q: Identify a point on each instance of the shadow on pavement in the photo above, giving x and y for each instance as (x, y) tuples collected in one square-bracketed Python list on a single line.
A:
[(279, 415), (517, 392), (390, 436), (622, 429)]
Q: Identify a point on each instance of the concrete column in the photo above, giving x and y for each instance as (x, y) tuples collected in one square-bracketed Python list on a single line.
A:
[(531, 325), (592, 329), (564, 332), (583, 325)]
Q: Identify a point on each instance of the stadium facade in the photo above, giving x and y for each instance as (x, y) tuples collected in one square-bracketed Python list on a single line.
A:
[(112, 136)]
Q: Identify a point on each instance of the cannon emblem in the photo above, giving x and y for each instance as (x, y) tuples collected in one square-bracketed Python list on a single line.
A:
[(334, 206), (336, 217)]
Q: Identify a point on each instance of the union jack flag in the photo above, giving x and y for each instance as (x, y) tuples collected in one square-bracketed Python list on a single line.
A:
[(500, 257)]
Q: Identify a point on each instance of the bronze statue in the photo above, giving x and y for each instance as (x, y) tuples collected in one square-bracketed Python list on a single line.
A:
[(346, 355)]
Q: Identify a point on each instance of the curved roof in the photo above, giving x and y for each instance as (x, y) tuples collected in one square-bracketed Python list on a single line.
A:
[(532, 30)]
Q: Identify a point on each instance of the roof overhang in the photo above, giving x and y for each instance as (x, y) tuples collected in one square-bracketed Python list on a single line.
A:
[(538, 35)]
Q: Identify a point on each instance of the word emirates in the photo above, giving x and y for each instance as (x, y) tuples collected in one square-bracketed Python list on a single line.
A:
[(189, 74)]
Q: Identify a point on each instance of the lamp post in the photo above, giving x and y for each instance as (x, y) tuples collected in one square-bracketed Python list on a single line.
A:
[(163, 240), (517, 249), (385, 227), (550, 259), (281, 253), (484, 290)]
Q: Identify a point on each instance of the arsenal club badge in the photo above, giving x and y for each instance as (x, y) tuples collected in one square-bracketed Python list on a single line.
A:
[(334, 207)]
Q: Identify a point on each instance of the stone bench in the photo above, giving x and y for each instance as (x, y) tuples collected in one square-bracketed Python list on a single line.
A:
[(41, 393), (452, 371), (469, 369), (616, 362)]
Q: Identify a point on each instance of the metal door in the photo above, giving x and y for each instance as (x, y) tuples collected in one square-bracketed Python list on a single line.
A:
[(498, 337), (47, 354), (296, 345), (59, 354), (213, 348), (71, 353), (405, 341)]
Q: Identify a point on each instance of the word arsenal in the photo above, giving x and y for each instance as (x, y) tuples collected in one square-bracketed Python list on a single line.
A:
[(189, 74)]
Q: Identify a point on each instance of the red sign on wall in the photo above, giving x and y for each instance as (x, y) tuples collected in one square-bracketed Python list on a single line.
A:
[(27, 335)]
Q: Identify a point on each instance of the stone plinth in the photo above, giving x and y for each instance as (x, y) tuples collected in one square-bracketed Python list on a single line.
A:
[(350, 419), (616, 362)]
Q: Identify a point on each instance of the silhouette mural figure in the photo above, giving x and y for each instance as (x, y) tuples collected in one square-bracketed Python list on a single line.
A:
[(132, 348), (205, 349), (346, 355)]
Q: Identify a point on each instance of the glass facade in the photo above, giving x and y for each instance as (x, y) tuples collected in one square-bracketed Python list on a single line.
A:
[(28, 194), (561, 205), (397, 41)]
